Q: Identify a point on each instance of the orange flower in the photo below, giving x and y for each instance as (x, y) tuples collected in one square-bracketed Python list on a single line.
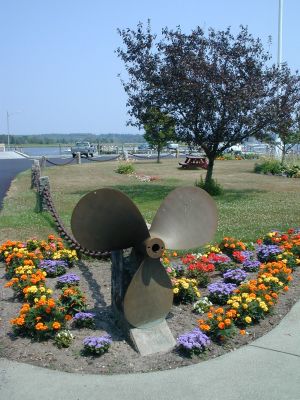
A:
[(286, 288), (227, 321), (204, 327), (56, 325), (51, 303), (221, 325), (41, 327), (242, 332), (68, 317), (220, 310)]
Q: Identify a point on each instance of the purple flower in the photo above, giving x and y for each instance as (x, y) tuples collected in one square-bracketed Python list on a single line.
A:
[(251, 265), (193, 342), (249, 255), (83, 315), (235, 276), (267, 253), (220, 291), (53, 267), (97, 345), (68, 280)]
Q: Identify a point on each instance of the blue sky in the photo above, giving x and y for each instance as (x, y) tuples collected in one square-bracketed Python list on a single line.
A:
[(58, 65)]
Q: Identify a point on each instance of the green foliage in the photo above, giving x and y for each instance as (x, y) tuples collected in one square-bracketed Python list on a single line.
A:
[(274, 167), (159, 128), (63, 338), (125, 169), (271, 166), (212, 187), (202, 277)]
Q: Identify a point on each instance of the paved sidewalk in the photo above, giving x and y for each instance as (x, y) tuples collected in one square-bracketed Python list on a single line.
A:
[(11, 155), (268, 369)]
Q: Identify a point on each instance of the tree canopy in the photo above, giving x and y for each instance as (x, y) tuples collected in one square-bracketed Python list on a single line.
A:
[(286, 111), (159, 129), (217, 86)]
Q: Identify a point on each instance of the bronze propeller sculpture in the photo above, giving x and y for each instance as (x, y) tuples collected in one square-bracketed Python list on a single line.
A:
[(107, 220)]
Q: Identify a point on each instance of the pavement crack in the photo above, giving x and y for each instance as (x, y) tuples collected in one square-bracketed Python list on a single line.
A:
[(277, 351)]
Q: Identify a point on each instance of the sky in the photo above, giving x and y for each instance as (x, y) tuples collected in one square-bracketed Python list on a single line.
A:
[(58, 66)]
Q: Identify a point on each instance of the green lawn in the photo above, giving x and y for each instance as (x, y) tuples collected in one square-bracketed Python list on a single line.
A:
[(251, 205)]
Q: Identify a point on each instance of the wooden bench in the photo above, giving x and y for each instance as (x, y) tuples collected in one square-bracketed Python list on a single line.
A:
[(194, 162)]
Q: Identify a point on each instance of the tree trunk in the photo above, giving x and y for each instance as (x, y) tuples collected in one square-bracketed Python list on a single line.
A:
[(283, 154), (158, 154), (209, 172)]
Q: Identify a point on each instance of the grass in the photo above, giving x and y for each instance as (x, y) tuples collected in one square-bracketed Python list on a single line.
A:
[(251, 205)]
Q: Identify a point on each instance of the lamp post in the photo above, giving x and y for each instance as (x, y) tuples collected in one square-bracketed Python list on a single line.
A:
[(278, 148), (279, 54), (7, 121)]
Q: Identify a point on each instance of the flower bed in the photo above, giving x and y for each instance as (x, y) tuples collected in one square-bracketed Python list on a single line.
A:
[(45, 314)]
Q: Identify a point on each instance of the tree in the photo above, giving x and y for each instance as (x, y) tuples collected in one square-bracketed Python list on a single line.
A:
[(159, 129), (218, 88), (286, 112)]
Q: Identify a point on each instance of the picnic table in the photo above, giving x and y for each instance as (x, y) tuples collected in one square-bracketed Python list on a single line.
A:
[(194, 162)]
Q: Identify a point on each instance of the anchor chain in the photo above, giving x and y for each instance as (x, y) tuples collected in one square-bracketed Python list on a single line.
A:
[(73, 243)]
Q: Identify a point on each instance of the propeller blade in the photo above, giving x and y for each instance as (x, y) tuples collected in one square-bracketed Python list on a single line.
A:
[(107, 219), (149, 296), (187, 218)]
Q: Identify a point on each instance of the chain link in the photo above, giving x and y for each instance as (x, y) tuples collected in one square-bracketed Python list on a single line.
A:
[(110, 159), (61, 165), (73, 243)]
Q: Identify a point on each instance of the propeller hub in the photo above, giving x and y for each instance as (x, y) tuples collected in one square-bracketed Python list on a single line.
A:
[(154, 247)]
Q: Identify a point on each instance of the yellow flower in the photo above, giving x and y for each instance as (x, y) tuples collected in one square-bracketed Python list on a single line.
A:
[(248, 319), (185, 285), (32, 289), (175, 290), (245, 306), (235, 304)]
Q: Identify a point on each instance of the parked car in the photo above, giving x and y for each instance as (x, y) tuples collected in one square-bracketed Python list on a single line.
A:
[(172, 146), (144, 146), (84, 148)]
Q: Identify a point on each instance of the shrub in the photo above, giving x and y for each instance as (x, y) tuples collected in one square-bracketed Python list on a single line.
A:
[(185, 290), (235, 276), (269, 167), (212, 187), (84, 320), (202, 305), (125, 169), (97, 345), (194, 342), (72, 300), (267, 253), (53, 267), (219, 323), (219, 292), (63, 339), (68, 280), (40, 321)]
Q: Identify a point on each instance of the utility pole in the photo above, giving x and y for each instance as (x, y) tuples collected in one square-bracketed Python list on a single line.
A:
[(278, 148), (279, 54), (7, 121)]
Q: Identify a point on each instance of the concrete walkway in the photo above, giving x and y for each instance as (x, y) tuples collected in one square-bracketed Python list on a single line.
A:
[(11, 155), (268, 369)]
